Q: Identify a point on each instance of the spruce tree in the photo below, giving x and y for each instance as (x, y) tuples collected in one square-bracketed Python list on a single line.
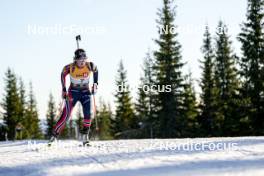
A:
[(252, 64), (22, 107), (190, 126), (32, 121), (11, 104), (104, 115), (168, 74), (226, 79), (144, 106), (124, 115), (209, 90), (50, 116)]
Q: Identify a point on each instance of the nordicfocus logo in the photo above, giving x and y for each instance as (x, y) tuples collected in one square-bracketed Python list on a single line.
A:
[(59, 29), (191, 29), (146, 88), (104, 147)]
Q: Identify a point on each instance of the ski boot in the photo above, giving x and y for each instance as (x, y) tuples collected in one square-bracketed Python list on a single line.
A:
[(53, 139), (85, 136)]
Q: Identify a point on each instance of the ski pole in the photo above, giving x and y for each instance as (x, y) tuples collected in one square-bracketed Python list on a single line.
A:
[(96, 123)]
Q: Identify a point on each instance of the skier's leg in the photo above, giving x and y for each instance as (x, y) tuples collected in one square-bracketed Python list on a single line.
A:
[(86, 104), (69, 104), (60, 123)]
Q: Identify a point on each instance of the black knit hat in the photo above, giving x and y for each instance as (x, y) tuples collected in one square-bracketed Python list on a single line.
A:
[(79, 54)]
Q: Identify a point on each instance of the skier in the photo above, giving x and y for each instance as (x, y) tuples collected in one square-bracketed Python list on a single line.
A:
[(79, 71)]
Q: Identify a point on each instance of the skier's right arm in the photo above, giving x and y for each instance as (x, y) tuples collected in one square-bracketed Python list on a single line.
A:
[(64, 73)]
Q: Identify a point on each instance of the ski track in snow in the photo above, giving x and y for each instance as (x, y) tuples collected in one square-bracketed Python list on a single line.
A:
[(134, 158)]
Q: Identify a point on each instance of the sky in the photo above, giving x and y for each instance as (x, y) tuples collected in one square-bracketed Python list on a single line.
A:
[(38, 38)]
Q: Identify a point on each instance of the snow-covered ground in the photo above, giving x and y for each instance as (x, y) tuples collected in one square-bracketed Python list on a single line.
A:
[(171, 157)]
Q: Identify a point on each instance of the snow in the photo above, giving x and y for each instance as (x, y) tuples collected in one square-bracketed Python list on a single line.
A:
[(158, 157)]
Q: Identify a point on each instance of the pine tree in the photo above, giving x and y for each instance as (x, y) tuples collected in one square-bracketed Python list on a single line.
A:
[(208, 106), (190, 126), (50, 116), (32, 121), (252, 65), (11, 104), (227, 119), (144, 105), (168, 75), (124, 114)]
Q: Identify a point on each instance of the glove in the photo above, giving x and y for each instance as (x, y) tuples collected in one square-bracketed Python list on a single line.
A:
[(64, 93), (94, 88)]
